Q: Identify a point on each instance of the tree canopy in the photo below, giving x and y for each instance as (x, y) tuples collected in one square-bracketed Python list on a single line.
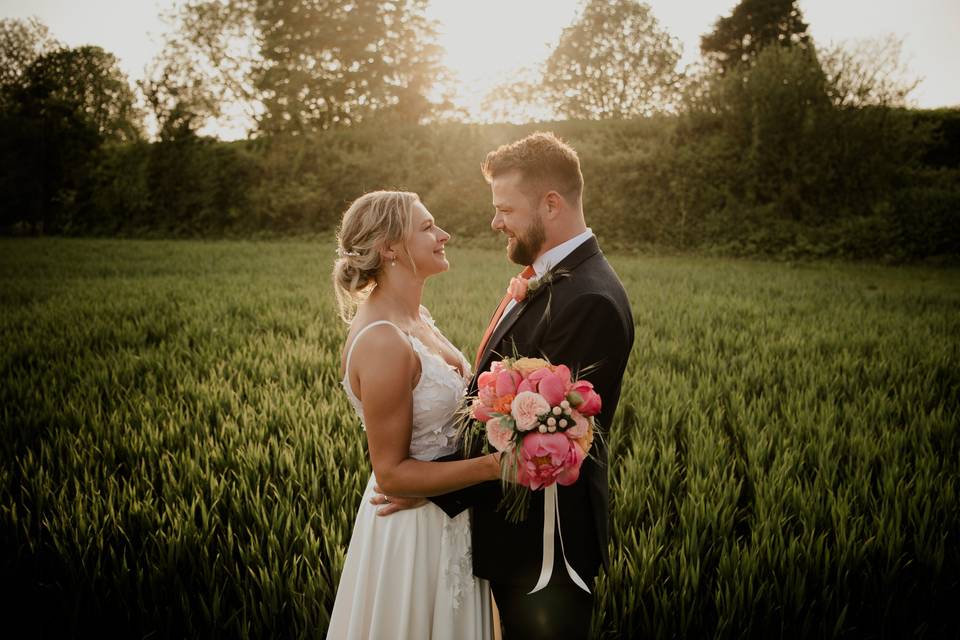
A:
[(304, 65), (752, 25), (22, 42), (614, 61), (88, 81)]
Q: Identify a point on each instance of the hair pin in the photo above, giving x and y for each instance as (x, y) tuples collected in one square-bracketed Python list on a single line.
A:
[(343, 253)]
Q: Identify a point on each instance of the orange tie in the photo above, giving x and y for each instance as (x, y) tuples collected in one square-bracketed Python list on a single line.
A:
[(526, 274)]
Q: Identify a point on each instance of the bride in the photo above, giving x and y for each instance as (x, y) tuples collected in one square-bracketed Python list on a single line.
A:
[(409, 575)]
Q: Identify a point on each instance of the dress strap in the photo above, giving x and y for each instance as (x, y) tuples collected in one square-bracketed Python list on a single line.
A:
[(356, 338)]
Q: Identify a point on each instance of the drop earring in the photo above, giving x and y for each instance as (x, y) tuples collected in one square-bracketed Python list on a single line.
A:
[(393, 262)]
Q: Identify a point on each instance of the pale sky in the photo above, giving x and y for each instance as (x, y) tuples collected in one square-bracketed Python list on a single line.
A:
[(488, 41)]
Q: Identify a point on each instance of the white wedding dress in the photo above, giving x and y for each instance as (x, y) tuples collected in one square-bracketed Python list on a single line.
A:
[(410, 574)]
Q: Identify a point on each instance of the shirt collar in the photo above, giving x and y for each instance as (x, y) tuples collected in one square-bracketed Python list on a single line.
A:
[(555, 256)]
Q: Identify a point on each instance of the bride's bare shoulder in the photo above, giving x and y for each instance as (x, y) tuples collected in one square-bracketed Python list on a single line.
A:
[(376, 342)]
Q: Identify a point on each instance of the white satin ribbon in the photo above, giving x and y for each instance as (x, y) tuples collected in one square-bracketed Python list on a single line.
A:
[(551, 519)]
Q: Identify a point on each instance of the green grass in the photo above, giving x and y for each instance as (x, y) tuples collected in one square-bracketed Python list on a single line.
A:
[(178, 459)]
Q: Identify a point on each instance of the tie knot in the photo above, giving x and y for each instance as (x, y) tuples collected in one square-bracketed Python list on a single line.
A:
[(527, 272)]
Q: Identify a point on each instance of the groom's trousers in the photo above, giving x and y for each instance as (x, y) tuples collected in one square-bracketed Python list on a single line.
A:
[(561, 611)]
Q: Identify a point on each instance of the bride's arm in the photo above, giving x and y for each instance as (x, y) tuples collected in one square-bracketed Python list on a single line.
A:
[(386, 368)]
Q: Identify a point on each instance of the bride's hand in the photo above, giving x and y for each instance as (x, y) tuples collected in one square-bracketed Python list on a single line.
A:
[(392, 504)]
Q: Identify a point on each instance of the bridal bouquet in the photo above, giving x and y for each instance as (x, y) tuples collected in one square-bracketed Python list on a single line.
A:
[(541, 418), (538, 415)]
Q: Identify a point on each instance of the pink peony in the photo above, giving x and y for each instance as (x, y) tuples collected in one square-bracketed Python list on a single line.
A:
[(584, 398), (507, 382), (480, 411), (525, 386), (487, 379), (546, 458), (562, 371), (487, 395), (499, 435), (539, 374), (552, 389), (526, 409)]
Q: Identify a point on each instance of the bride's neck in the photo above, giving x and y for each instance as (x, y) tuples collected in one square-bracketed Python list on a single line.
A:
[(399, 297)]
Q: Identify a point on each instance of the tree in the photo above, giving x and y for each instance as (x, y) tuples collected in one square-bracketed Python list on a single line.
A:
[(738, 38), (614, 61), (87, 80), (329, 63), (867, 72), (205, 72), (66, 105), (307, 65), (181, 99), (518, 100), (22, 42)]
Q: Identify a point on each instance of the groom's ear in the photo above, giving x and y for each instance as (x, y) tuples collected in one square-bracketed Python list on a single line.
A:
[(553, 202)]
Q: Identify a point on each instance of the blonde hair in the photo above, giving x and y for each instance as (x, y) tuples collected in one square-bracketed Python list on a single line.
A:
[(371, 222)]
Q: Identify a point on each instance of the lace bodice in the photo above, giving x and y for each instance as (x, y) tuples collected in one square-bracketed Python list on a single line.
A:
[(436, 398)]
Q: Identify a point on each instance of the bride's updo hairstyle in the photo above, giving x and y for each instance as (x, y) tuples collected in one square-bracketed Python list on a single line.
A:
[(373, 221)]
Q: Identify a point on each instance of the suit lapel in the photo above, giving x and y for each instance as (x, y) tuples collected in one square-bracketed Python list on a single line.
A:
[(570, 263)]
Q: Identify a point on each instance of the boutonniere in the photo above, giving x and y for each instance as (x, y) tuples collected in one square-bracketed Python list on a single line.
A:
[(521, 289)]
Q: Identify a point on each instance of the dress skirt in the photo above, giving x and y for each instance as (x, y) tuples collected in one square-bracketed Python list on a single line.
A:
[(410, 575)]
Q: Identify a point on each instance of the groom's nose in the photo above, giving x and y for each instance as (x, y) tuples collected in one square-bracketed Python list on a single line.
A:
[(497, 223)]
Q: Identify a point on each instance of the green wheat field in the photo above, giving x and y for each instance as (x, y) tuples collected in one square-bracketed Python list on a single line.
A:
[(178, 459)]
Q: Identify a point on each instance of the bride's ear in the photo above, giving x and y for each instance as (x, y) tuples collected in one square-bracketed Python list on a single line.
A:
[(388, 254)]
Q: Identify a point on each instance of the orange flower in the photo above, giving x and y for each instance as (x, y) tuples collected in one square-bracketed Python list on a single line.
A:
[(503, 403)]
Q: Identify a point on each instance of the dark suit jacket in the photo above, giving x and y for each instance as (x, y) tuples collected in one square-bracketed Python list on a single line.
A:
[(580, 319)]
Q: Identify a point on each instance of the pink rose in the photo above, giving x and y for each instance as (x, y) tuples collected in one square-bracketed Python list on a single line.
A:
[(526, 409), (507, 382), (517, 289), (546, 458), (497, 366), (480, 411), (499, 435), (584, 398)]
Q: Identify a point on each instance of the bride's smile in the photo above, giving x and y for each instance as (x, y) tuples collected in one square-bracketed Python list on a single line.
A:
[(427, 243)]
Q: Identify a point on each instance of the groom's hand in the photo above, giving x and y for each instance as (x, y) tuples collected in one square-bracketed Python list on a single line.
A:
[(392, 504)]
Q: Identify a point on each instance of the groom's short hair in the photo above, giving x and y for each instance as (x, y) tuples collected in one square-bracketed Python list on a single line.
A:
[(544, 161)]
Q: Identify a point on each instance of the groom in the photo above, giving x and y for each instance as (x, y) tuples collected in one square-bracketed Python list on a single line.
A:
[(578, 316)]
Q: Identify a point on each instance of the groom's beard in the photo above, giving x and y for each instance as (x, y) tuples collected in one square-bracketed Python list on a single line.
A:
[(526, 248)]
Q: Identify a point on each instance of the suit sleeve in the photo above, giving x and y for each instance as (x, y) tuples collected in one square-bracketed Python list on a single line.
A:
[(591, 336)]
